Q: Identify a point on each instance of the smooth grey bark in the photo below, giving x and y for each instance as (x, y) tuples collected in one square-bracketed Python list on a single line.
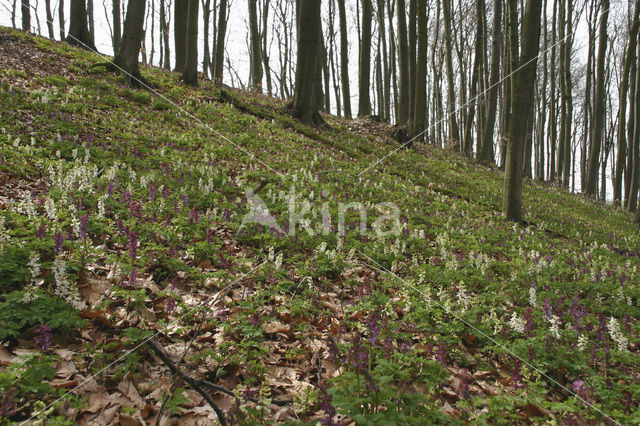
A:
[(181, 10), (403, 64), (486, 151), (522, 101), (78, 31), (630, 57), (308, 79), (255, 51), (364, 69), (190, 71), (454, 133), (418, 123), (344, 60), (127, 57), (218, 63), (598, 110)]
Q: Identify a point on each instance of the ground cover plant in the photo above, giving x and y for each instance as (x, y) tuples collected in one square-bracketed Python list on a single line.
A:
[(123, 219)]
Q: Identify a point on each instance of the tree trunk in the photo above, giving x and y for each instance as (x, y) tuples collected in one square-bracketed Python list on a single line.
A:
[(91, 22), (344, 60), (598, 110), (364, 71), (403, 64), (454, 133), (418, 124), (206, 54), (47, 6), (630, 57), (479, 56), (218, 63), (308, 64), (26, 15), (164, 29), (523, 84), (181, 11), (486, 152), (635, 142), (386, 76), (127, 57), (78, 30), (190, 72), (255, 51), (115, 11), (413, 37), (265, 50), (61, 19)]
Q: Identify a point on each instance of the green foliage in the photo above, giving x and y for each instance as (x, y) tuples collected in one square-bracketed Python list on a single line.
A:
[(14, 268), (16, 315)]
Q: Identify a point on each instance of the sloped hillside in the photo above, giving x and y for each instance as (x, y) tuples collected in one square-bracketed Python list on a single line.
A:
[(129, 244)]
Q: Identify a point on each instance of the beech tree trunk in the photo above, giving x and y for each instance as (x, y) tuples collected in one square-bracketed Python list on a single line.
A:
[(486, 150), (364, 72), (127, 57), (418, 124), (180, 14), (308, 65), (78, 31), (61, 19), (255, 51), (218, 63), (522, 104), (344, 60), (599, 107), (629, 58), (403, 64), (26, 15), (190, 72), (454, 133)]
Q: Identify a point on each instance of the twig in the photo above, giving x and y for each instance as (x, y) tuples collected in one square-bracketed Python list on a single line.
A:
[(230, 393), (193, 383)]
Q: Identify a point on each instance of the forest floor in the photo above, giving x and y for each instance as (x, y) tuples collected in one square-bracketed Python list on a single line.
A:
[(124, 222)]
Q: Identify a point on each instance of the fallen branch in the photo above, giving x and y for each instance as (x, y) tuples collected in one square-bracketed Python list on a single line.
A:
[(193, 383), (219, 388)]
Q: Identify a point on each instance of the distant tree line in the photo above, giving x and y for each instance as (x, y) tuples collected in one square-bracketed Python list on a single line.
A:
[(500, 81)]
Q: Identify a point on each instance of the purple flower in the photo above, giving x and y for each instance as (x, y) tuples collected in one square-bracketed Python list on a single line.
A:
[(126, 197), (255, 319), (42, 231), (84, 225), (42, 336), (516, 376), (133, 245), (58, 240), (546, 308), (110, 189), (194, 217), (152, 191), (171, 304), (374, 327), (133, 277), (324, 404)]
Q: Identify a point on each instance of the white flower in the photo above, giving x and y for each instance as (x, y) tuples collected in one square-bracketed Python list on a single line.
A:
[(533, 298), (516, 323), (555, 326), (616, 334), (582, 342), (34, 265), (75, 224), (4, 235), (50, 209), (463, 297), (101, 209), (278, 261), (64, 289)]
